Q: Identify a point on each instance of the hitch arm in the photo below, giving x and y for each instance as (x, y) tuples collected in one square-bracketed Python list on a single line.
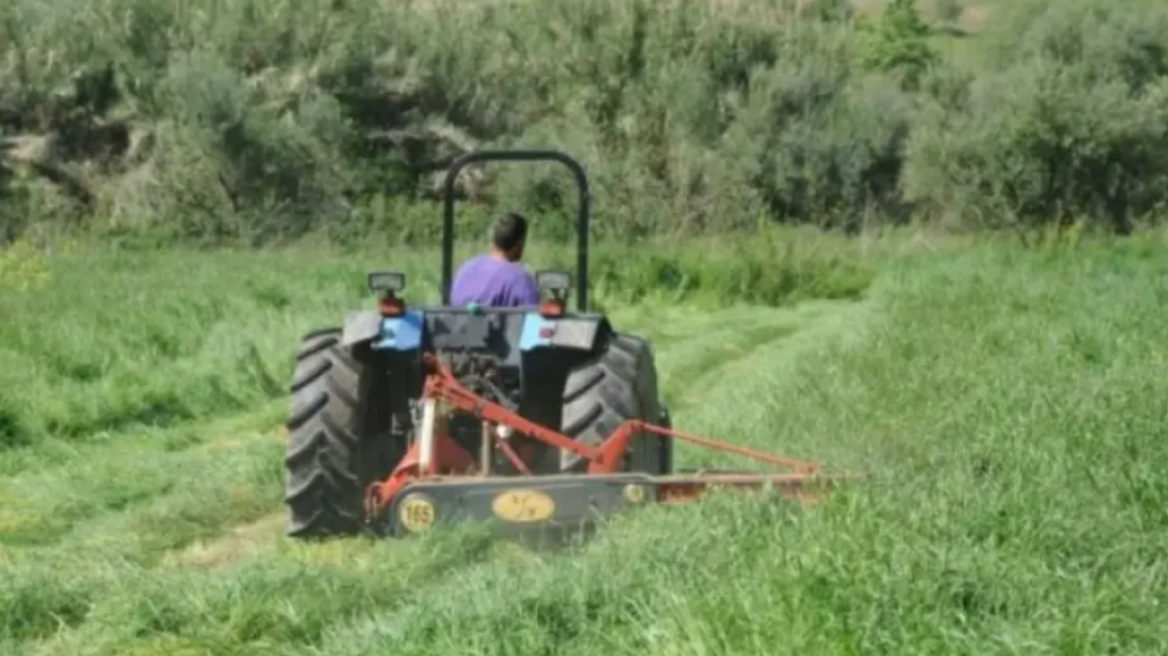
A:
[(604, 459), (443, 386)]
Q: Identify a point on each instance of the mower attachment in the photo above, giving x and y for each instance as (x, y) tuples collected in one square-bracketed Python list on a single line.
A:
[(561, 503), (360, 402), (439, 482)]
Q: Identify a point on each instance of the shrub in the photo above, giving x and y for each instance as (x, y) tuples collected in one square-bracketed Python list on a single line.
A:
[(1072, 122), (898, 43), (261, 120)]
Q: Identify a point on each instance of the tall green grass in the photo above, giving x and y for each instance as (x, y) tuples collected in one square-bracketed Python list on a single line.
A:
[(103, 340), (1008, 407)]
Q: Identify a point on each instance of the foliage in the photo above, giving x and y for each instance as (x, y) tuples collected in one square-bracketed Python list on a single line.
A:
[(898, 41), (1071, 123), (948, 10), (259, 121)]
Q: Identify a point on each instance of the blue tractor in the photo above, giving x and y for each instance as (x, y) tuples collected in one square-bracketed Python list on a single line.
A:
[(356, 388)]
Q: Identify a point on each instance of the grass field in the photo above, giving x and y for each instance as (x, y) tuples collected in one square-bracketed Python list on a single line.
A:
[(1010, 407)]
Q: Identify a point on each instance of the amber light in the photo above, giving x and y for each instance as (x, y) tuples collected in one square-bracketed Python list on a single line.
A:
[(551, 308)]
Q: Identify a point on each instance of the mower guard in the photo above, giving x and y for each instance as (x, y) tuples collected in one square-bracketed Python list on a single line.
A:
[(563, 503)]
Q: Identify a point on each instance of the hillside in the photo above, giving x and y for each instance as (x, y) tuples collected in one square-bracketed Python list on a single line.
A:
[(261, 120)]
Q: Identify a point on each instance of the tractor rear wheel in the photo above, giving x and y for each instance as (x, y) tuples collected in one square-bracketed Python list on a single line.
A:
[(339, 440), (618, 384)]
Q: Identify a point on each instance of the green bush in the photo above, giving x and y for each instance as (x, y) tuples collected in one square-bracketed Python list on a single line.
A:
[(897, 42), (261, 120), (271, 118), (1070, 123)]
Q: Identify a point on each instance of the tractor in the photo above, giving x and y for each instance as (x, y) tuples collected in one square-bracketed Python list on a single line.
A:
[(403, 416)]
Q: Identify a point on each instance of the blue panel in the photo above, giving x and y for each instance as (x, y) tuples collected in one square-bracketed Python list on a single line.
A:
[(402, 333), (533, 323)]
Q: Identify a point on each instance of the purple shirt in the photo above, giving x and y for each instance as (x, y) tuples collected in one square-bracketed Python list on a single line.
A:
[(493, 283)]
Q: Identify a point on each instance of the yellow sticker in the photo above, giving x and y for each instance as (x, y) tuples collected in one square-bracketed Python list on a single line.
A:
[(634, 493), (523, 506), (416, 513)]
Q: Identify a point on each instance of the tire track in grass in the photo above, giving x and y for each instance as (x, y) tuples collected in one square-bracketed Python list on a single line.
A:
[(764, 375), (225, 549), (282, 602), (734, 351), (43, 505), (94, 526), (211, 490)]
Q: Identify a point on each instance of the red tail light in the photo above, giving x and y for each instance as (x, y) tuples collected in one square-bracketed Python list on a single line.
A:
[(392, 307)]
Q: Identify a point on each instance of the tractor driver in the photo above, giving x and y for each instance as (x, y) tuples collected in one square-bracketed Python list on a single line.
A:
[(496, 278)]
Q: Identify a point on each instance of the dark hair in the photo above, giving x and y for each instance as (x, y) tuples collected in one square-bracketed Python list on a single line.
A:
[(510, 231)]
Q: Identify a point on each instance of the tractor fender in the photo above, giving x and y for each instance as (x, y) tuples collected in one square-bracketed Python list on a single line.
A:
[(402, 333), (362, 326), (575, 333)]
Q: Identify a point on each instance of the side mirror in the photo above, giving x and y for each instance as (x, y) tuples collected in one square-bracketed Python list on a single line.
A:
[(387, 283)]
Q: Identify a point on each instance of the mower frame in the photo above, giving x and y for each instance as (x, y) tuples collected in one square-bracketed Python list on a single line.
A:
[(439, 481)]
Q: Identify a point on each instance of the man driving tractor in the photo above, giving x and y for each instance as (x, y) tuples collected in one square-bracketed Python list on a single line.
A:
[(496, 278)]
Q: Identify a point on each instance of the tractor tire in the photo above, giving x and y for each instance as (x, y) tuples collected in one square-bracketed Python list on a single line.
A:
[(338, 440), (599, 395)]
